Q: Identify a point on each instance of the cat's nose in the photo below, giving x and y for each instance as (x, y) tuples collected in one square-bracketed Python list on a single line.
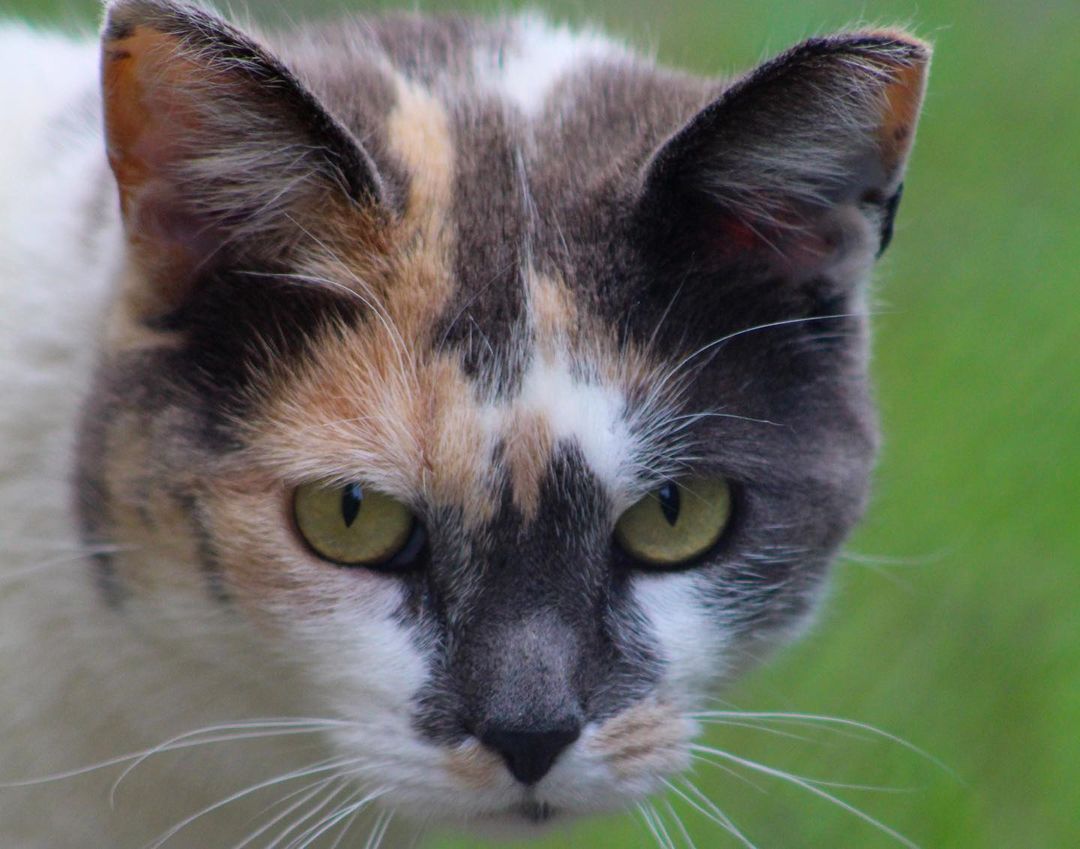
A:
[(529, 753)]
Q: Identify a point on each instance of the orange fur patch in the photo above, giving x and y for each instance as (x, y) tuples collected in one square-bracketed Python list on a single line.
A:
[(903, 99), (473, 766), (528, 449), (650, 737)]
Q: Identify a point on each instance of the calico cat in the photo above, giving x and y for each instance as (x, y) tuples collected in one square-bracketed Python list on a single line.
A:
[(415, 416)]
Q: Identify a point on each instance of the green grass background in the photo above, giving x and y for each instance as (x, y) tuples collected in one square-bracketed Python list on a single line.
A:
[(956, 622)]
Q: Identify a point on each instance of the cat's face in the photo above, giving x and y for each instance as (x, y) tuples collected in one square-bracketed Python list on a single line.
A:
[(507, 433)]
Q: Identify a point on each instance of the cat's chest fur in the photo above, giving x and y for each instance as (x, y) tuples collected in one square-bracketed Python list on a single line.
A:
[(590, 332)]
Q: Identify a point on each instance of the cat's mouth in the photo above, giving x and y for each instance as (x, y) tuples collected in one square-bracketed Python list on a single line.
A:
[(523, 817), (535, 811)]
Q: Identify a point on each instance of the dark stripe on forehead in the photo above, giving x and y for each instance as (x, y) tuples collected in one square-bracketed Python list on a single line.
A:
[(486, 319), (238, 328)]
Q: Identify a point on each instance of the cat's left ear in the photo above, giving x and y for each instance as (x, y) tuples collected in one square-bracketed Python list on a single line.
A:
[(219, 151), (796, 169)]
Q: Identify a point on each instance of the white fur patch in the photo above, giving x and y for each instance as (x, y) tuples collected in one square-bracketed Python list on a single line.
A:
[(691, 642), (588, 415), (539, 58)]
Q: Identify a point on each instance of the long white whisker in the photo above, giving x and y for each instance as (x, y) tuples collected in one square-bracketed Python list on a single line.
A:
[(286, 730), (682, 826), (778, 716), (185, 744), (809, 787), (764, 729), (710, 811), (349, 823), (825, 782), (314, 812), (660, 824), (240, 794), (689, 419), (332, 820), (377, 310), (399, 342), (421, 831), (678, 367), (378, 834), (307, 797), (647, 814)]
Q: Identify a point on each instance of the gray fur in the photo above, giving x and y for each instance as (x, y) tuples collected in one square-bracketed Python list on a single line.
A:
[(726, 228)]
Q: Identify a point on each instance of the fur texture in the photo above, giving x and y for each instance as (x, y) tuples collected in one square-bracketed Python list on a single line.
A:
[(513, 276)]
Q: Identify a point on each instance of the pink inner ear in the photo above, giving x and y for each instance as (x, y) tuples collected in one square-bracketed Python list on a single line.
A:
[(158, 215), (795, 247), (739, 236), (150, 122)]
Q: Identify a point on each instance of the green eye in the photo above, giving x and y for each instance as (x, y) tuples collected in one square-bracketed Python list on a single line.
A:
[(354, 525), (675, 523)]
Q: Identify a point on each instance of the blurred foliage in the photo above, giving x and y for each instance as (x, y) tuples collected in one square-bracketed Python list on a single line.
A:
[(955, 620)]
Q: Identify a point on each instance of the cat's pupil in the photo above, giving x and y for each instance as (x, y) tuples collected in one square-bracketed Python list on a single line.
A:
[(351, 499), (668, 495)]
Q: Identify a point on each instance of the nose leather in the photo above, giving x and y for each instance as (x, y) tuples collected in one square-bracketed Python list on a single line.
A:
[(529, 754)]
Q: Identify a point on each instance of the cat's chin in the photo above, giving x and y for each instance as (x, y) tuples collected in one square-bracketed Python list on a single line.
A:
[(530, 819)]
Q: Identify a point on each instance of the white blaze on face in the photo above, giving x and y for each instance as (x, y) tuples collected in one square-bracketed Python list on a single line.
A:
[(538, 57), (587, 415), (691, 644)]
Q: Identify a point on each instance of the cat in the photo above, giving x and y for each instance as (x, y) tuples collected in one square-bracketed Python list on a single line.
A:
[(410, 420)]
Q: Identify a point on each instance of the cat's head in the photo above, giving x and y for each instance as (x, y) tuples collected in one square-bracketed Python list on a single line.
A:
[(509, 399)]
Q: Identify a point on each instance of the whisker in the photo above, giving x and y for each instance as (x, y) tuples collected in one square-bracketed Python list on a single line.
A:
[(731, 723), (421, 831), (711, 811), (379, 832), (648, 813), (740, 777), (349, 823), (185, 744), (240, 794), (810, 787), (825, 782), (309, 794), (290, 729), (379, 309), (63, 558), (682, 826), (663, 828), (329, 822), (692, 418), (679, 366), (300, 838), (810, 719)]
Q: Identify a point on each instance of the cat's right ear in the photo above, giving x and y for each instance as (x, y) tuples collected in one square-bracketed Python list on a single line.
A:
[(220, 153)]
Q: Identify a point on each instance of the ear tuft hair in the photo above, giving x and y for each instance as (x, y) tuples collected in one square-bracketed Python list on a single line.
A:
[(216, 146), (779, 156)]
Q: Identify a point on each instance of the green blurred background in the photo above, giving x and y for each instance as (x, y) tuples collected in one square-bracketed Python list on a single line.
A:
[(955, 620)]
